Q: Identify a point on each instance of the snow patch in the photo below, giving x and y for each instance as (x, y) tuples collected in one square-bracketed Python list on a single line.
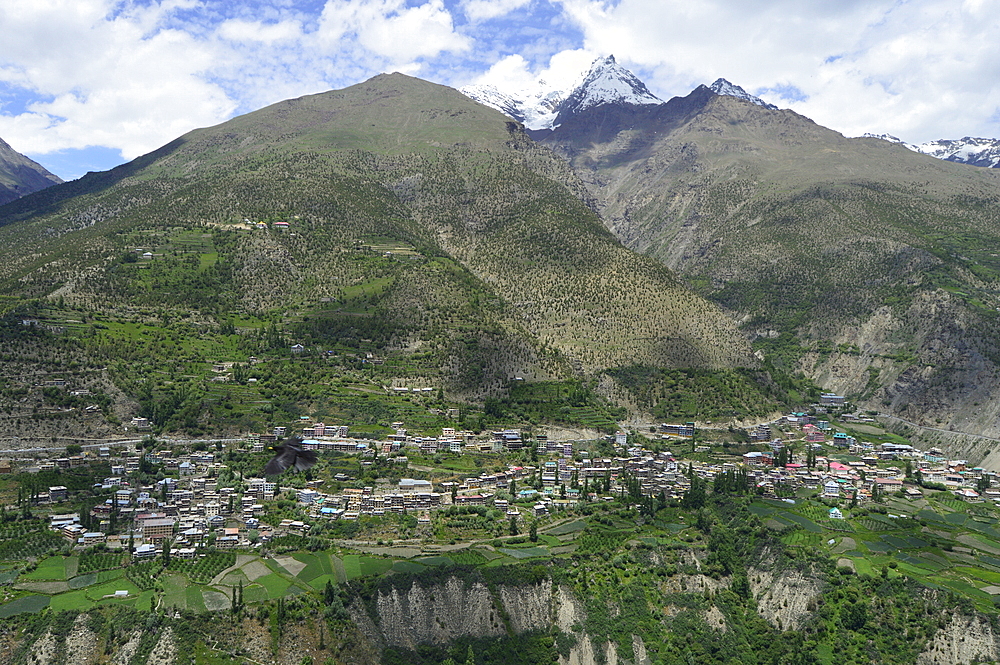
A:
[(540, 105), (969, 150), (724, 87)]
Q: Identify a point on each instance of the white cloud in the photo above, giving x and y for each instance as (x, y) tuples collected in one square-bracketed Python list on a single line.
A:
[(484, 10), (513, 72), (104, 79), (132, 77), (134, 74), (391, 29), (239, 30), (920, 69)]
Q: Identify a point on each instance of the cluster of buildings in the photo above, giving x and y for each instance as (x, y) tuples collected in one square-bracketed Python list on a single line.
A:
[(870, 474), (193, 509)]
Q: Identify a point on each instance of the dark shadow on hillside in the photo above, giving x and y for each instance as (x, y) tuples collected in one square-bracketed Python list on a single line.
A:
[(603, 124)]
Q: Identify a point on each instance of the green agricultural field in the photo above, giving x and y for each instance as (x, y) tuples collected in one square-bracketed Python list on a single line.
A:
[(174, 590), (469, 557), (435, 561), (275, 585), (988, 576), (82, 581), (72, 600), (97, 593), (194, 598), (525, 553), (52, 568), (316, 565), (235, 578), (803, 539), (352, 566), (373, 566), (319, 583), (359, 566), (255, 593), (804, 522), (29, 604)]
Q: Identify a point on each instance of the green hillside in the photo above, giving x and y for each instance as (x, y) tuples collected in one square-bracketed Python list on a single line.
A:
[(394, 218)]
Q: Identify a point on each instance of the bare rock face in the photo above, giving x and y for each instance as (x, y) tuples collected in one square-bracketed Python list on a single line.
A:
[(123, 655), (528, 607), (165, 651), (440, 613), (783, 596), (966, 639), (81, 643), (43, 651), (437, 614)]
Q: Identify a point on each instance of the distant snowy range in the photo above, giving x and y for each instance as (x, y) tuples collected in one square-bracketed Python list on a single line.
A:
[(970, 150), (543, 105)]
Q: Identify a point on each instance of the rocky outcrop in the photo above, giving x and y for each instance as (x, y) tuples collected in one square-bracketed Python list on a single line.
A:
[(966, 639), (125, 653), (43, 651), (81, 643), (783, 596), (165, 650), (528, 607), (440, 613)]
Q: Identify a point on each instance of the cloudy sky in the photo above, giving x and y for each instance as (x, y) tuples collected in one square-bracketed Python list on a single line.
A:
[(87, 84)]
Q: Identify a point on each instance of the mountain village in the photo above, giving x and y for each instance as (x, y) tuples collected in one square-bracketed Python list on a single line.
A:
[(628, 455), (190, 508)]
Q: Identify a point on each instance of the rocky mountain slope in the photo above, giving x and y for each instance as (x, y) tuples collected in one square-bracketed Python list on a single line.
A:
[(864, 265), (20, 175)]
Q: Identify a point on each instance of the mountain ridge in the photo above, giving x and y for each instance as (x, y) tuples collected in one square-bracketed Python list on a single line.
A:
[(974, 151), (20, 175), (755, 206), (605, 83)]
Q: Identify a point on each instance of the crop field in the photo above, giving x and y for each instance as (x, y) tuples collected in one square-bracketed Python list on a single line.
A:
[(316, 565), (564, 529), (275, 585), (52, 568), (934, 558), (936, 541), (358, 566), (30, 604), (526, 552)]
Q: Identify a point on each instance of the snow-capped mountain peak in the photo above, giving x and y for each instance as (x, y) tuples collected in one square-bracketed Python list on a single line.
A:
[(724, 87), (968, 150), (606, 82), (490, 95), (535, 107)]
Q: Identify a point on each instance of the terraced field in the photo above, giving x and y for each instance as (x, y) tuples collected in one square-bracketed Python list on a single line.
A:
[(940, 541)]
